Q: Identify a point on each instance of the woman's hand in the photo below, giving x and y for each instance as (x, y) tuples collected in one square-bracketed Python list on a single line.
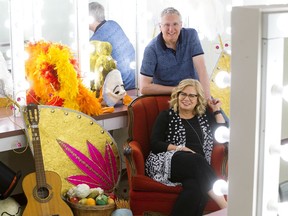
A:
[(187, 149), (183, 148), (172, 147), (214, 104)]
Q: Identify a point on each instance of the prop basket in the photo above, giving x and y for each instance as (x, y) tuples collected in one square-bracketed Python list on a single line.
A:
[(98, 210)]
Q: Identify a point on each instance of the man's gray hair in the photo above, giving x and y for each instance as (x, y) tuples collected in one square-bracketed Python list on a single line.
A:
[(97, 11), (171, 10)]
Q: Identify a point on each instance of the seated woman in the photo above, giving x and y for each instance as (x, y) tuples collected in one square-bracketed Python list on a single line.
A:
[(182, 143)]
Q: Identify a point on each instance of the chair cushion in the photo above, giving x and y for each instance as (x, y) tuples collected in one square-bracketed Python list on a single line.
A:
[(144, 183)]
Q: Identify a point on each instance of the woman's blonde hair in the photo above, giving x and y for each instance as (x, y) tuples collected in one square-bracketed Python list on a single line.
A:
[(201, 101)]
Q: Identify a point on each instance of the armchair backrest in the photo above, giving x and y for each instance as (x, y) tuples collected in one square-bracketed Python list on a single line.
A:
[(142, 113)]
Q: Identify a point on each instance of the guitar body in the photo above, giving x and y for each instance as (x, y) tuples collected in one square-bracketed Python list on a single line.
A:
[(47, 200)]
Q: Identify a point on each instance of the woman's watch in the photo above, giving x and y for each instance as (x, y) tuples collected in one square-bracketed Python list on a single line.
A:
[(217, 112)]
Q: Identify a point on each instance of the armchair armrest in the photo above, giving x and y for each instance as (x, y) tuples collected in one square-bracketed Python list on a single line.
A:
[(135, 162), (219, 160)]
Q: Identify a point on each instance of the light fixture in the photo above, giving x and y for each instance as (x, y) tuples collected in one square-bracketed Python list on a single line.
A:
[(280, 150), (222, 134), (220, 187), (280, 91), (8, 53), (281, 23), (132, 65), (223, 79), (91, 20), (281, 208)]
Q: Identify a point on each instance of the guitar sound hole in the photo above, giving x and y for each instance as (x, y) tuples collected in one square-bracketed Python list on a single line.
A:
[(42, 192)]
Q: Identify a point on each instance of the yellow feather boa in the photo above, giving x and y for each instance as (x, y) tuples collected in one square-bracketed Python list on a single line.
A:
[(55, 79)]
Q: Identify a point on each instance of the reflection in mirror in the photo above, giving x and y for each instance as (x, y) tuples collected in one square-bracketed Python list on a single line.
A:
[(111, 47), (6, 87), (58, 21), (5, 35)]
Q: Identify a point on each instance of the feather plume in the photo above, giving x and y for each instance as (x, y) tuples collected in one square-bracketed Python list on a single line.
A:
[(96, 156), (111, 163), (85, 164)]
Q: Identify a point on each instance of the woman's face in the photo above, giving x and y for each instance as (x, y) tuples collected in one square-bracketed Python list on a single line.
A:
[(170, 27), (187, 99)]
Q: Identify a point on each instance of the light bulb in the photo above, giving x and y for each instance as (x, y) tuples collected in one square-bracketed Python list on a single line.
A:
[(228, 30), (285, 93), (282, 208), (284, 152), (132, 65), (220, 187), (280, 150), (222, 134), (222, 79), (92, 48), (229, 8), (282, 22), (26, 55), (91, 20), (72, 18), (8, 53), (24, 85), (89, 75), (282, 91), (272, 206), (7, 24)]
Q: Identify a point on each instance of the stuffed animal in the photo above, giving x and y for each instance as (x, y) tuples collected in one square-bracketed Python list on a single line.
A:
[(101, 63), (108, 82), (55, 79)]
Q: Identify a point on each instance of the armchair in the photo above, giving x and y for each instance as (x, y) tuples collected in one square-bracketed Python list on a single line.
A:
[(145, 194)]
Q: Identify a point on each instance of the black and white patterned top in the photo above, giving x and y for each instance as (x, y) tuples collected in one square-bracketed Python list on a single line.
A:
[(158, 164)]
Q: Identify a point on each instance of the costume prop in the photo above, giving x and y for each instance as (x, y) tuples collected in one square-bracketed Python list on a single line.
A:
[(55, 79), (76, 147)]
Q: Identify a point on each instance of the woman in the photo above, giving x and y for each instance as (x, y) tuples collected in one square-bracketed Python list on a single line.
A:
[(182, 143)]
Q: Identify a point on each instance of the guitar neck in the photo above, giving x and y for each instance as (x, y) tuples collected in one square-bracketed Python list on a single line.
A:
[(39, 164)]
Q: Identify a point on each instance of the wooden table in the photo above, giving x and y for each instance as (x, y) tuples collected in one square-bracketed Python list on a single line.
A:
[(12, 133)]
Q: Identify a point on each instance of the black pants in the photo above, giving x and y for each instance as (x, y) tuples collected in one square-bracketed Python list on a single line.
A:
[(197, 178)]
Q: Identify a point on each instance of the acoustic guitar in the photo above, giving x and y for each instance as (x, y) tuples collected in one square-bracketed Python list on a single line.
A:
[(42, 188)]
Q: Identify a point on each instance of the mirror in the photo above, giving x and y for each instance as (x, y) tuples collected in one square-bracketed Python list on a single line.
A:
[(5, 46)]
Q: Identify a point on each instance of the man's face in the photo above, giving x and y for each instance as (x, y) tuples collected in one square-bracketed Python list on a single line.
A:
[(170, 27)]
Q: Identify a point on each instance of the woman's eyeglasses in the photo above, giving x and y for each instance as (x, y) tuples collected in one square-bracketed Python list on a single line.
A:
[(190, 96)]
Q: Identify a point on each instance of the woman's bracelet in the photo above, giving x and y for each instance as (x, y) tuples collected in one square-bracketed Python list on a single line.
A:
[(217, 112), (179, 148)]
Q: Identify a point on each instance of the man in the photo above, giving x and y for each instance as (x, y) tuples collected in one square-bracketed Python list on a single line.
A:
[(175, 54), (122, 49)]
